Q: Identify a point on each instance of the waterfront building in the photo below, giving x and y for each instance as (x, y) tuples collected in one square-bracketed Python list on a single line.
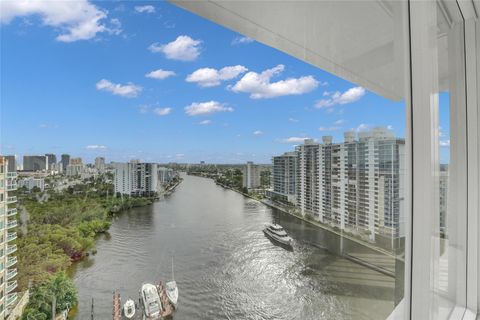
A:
[(284, 178), (51, 160), (165, 175), (34, 163), (65, 160), (8, 223), (251, 175), (307, 183), (136, 178), (12, 163), (32, 182), (443, 181), (100, 164)]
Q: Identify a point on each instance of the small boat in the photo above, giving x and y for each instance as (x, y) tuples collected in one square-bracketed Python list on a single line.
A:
[(278, 234), (129, 309), (172, 290), (151, 301)]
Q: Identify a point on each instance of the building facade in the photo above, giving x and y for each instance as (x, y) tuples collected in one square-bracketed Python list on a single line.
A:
[(34, 163), (65, 160), (51, 160), (8, 223), (251, 175), (31, 182), (100, 164), (136, 178), (284, 177)]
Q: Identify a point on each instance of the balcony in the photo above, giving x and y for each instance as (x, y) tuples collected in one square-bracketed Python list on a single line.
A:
[(11, 224), (11, 273), (11, 298), (11, 199), (11, 187), (11, 261), (11, 249), (11, 286), (11, 212), (11, 236), (11, 174)]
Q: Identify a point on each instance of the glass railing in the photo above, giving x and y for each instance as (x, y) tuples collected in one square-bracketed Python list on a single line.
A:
[(11, 187), (11, 236), (11, 261), (12, 224), (11, 286), (12, 199), (11, 174), (11, 212), (11, 273), (11, 249), (11, 298)]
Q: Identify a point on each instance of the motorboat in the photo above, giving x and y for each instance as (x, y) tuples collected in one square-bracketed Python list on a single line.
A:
[(277, 233), (129, 309), (151, 301)]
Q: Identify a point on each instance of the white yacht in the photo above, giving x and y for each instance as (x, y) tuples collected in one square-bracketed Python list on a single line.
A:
[(278, 234), (151, 301), (172, 290), (129, 309)]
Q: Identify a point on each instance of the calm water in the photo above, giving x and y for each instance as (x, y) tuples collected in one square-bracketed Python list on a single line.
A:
[(224, 266)]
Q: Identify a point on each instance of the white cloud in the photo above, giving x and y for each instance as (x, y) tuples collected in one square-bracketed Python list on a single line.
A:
[(209, 107), (349, 96), (160, 74), (162, 111), (445, 143), (294, 140), (76, 20), (145, 9), (209, 77), (258, 85), (143, 109), (257, 133), (241, 40), (293, 120), (362, 127), (329, 129), (390, 127), (183, 48), (339, 122), (96, 147), (205, 122), (128, 90)]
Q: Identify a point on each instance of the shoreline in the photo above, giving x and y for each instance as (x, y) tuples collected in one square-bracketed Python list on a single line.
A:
[(319, 225)]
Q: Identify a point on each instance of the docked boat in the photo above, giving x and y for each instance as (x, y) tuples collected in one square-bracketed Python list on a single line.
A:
[(129, 309), (151, 301), (278, 234)]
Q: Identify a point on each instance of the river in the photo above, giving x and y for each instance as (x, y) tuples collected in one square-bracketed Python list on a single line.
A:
[(225, 267)]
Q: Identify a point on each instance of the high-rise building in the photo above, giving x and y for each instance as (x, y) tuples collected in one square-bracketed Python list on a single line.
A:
[(100, 164), (284, 177), (65, 160), (357, 185), (136, 178), (51, 160), (443, 181), (8, 223), (34, 163), (251, 175), (12, 163)]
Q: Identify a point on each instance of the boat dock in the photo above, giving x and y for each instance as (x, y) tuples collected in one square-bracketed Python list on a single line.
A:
[(167, 308), (117, 306)]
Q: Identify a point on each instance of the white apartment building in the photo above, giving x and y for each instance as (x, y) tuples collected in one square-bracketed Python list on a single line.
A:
[(8, 223), (284, 177), (307, 184), (32, 182), (135, 178), (100, 164), (251, 175)]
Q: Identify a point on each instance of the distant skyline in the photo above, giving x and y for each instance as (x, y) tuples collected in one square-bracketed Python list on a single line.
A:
[(150, 81)]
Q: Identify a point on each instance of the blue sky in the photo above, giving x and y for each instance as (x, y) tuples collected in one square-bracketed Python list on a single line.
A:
[(84, 89)]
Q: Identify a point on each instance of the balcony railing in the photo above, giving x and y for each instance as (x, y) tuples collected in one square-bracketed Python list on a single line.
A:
[(11, 212), (11, 273), (11, 236), (11, 261), (11, 174), (11, 249), (11, 199), (11, 187), (11, 286), (11, 298), (11, 224)]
